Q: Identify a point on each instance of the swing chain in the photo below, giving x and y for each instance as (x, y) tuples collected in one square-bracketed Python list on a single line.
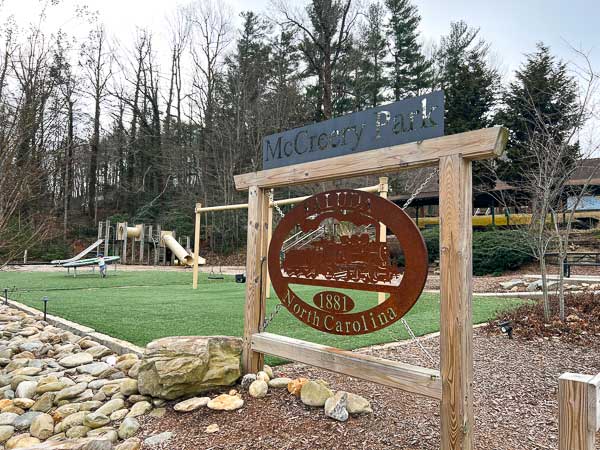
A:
[(269, 319), (420, 188)]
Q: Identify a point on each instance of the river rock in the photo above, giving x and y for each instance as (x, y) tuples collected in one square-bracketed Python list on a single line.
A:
[(26, 389), (247, 380), (78, 432), (42, 426), (225, 402), (295, 386), (97, 369), (258, 389), (130, 444), (129, 386), (75, 360), (139, 409), (191, 404), (356, 404), (24, 403), (24, 421), (158, 439), (95, 420), (6, 432), (175, 367), (335, 407), (314, 393), (8, 418), (70, 392), (111, 406), (120, 414), (279, 382), (23, 441), (44, 403), (128, 428)]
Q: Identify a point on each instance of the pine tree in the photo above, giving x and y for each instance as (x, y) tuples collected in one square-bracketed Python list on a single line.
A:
[(410, 70), (372, 51), (471, 86), (469, 82), (541, 100)]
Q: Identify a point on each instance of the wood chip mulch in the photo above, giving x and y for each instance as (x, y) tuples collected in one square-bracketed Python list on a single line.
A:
[(515, 405)]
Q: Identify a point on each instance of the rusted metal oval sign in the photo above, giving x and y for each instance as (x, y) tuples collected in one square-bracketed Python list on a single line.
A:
[(332, 239)]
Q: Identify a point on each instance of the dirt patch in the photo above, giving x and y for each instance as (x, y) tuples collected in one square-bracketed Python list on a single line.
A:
[(515, 387)]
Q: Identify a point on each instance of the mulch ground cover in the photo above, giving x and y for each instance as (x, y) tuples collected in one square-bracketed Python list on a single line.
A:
[(515, 390), (581, 324)]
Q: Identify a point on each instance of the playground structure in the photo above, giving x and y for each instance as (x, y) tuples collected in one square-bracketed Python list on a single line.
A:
[(144, 244), (90, 262)]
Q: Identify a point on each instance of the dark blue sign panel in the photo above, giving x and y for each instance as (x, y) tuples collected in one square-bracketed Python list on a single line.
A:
[(410, 120)]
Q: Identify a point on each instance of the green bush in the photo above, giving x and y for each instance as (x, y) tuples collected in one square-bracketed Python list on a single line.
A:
[(494, 251)]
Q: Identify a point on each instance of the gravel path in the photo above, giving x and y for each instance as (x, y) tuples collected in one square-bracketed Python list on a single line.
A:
[(515, 406)]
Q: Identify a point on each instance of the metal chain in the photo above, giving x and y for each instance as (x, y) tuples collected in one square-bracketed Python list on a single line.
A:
[(420, 188), (269, 319), (275, 205), (413, 337)]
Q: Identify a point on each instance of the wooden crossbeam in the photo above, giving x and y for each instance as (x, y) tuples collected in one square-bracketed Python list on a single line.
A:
[(472, 145), (418, 380)]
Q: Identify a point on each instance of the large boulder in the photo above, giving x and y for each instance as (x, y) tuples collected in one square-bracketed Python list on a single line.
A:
[(175, 367)]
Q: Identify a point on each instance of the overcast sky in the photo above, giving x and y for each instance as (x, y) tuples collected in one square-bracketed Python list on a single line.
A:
[(511, 26)]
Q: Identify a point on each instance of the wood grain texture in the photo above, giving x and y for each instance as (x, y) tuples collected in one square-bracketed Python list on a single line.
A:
[(456, 331), (472, 145), (418, 380), (196, 246), (269, 235), (577, 411), (383, 193), (254, 313)]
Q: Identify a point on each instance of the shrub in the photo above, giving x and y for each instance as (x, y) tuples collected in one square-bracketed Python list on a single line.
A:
[(494, 251)]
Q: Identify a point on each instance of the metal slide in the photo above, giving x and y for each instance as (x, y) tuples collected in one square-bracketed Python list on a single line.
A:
[(182, 255), (80, 255)]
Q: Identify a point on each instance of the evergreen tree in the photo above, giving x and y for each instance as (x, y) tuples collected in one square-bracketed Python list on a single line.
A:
[(372, 51), (410, 70), (542, 100), (471, 87), (470, 84)]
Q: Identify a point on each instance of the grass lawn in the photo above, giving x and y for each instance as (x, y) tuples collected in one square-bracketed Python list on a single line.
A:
[(144, 305)]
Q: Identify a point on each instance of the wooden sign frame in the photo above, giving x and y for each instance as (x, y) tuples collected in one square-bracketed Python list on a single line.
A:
[(453, 384)]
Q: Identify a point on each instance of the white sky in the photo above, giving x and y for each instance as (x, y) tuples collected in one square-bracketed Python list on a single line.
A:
[(511, 26)]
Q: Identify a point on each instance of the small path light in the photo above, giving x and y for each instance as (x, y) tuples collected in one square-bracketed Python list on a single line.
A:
[(6, 296), (45, 300), (507, 328)]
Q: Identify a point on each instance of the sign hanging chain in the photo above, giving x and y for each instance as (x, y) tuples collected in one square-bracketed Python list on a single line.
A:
[(406, 205), (420, 188), (414, 338)]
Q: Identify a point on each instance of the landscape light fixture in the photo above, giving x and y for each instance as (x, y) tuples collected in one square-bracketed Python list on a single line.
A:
[(6, 296), (506, 328), (45, 300)]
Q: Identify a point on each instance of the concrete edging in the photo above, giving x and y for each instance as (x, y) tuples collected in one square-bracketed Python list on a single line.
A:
[(116, 345)]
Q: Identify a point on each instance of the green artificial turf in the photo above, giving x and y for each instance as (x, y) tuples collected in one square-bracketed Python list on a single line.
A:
[(140, 306)]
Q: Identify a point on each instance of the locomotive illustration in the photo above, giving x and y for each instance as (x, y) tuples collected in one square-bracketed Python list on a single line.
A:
[(354, 258)]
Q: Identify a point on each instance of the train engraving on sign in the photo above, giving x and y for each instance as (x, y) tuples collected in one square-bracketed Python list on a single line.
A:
[(410, 120), (343, 251)]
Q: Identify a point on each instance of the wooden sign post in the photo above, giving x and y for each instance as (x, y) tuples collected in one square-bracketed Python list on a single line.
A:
[(453, 384)]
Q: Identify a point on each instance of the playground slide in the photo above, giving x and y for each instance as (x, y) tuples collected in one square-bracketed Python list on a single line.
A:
[(80, 255), (182, 255)]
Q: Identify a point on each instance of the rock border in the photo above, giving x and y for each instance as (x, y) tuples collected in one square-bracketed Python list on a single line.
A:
[(118, 346)]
